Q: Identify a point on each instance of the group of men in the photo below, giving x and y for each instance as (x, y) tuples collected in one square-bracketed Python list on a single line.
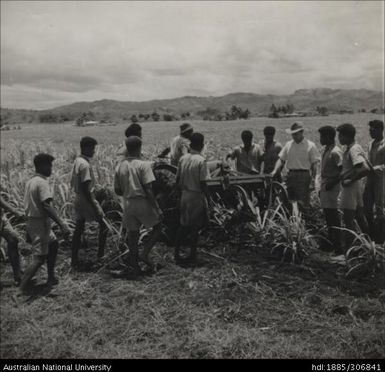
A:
[(342, 188), (342, 185)]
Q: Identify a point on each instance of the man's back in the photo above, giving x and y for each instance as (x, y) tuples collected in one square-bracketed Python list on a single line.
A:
[(81, 172), (131, 176), (192, 169), (37, 190)]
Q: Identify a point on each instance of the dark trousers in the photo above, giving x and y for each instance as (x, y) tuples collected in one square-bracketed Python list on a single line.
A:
[(333, 223), (298, 189), (374, 206)]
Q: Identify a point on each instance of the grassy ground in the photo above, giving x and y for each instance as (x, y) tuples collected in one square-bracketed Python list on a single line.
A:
[(239, 306), (242, 303)]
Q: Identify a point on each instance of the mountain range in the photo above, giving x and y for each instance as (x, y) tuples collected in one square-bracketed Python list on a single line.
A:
[(305, 100)]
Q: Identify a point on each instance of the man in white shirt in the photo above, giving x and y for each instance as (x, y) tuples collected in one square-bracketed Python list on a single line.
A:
[(300, 156)]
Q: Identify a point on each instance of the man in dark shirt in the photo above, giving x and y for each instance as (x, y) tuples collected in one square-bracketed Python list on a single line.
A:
[(271, 150), (375, 183)]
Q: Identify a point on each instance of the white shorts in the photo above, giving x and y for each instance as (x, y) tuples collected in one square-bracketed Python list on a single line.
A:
[(329, 199)]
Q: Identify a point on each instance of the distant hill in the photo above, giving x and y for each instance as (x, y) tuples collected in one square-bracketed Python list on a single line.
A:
[(305, 100)]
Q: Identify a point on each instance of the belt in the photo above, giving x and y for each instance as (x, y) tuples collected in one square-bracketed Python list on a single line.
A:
[(299, 170)]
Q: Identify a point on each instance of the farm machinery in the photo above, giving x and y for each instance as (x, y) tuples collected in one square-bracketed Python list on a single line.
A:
[(240, 195)]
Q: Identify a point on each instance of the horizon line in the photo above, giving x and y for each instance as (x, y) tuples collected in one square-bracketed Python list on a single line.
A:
[(191, 96)]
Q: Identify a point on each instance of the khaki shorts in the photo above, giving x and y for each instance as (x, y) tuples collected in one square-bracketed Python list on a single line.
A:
[(193, 209), (41, 234), (329, 199), (352, 196), (83, 209), (138, 212)]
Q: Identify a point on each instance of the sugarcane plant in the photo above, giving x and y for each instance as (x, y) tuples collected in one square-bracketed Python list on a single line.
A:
[(365, 257), (291, 239)]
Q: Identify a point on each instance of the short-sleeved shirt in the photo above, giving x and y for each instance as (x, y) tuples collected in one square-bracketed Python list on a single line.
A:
[(192, 169), (299, 156), (377, 154), (331, 164), (270, 156), (131, 175), (247, 161), (37, 190), (82, 172), (352, 156), (179, 146)]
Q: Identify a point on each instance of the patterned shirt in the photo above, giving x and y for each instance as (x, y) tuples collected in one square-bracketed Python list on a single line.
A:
[(179, 147)]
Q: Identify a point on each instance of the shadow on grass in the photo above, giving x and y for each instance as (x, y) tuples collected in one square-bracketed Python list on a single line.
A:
[(36, 291)]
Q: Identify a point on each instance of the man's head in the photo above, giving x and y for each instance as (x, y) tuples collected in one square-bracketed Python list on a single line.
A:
[(247, 138), (186, 130), (134, 130), (269, 133), (134, 145), (346, 133), (296, 131), (197, 141), (87, 146), (43, 164), (327, 135), (376, 129)]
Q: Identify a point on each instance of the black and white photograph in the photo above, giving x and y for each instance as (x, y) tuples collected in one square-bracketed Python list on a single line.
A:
[(192, 180)]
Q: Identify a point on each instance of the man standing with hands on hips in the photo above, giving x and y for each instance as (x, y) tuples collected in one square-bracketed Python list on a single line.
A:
[(300, 157)]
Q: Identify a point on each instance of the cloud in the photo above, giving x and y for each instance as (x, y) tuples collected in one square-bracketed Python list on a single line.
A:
[(61, 52)]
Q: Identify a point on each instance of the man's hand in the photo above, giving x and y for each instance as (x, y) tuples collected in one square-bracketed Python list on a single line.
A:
[(312, 184), (378, 170), (346, 182)]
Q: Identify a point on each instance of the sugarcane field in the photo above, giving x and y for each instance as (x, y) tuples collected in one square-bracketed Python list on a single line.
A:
[(244, 300)]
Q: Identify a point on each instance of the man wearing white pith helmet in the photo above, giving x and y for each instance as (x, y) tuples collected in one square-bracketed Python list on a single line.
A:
[(300, 157)]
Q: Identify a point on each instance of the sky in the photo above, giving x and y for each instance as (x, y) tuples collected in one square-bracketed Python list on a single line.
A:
[(59, 52)]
